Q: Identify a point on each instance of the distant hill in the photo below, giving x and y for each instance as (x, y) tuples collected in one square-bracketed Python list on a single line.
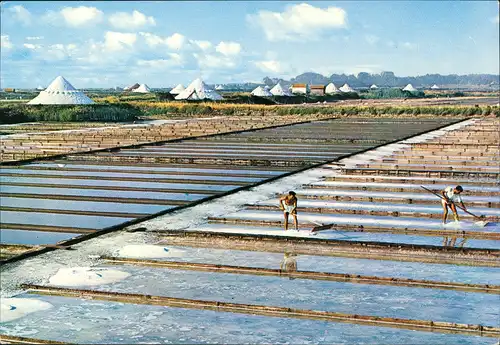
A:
[(388, 79)]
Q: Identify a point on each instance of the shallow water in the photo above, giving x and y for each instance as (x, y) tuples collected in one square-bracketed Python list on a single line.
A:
[(379, 300), (82, 205), (67, 220), (32, 237), (103, 193), (383, 268), (80, 182), (83, 321), (160, 168), (69, 174)]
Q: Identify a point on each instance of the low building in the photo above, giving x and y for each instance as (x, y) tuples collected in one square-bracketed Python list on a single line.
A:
[(299, 89), (317, 90)]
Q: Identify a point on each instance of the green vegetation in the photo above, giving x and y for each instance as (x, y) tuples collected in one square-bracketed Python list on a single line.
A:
[(15, 113), (172, 109), (391, 93), (117, 112)]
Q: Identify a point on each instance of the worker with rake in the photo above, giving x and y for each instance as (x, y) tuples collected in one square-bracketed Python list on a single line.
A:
[(450, 197)]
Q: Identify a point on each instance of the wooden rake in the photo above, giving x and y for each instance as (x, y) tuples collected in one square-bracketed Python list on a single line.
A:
[(481, 223)]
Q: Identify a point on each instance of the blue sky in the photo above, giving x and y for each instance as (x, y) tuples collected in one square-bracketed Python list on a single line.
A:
[(105, 44)]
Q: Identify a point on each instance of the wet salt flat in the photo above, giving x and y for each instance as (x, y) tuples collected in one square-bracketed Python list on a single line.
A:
[(445, 180), (342, 235), (382, 268), (82, 205), (466, 187), (67, 220), (371, 206), (287, 150), (32, 237), (397, 195), (367, 220), (388, 301), (102, 193), (92, 321), (127, 175), (218, 154), (97, 322), (137, 184), (157, 168)]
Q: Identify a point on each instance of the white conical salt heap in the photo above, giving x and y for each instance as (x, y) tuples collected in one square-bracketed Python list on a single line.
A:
[(435, 87), (346, 88), (261, 92), (143, 88), (177, 90), (60, 91), (410, 88), (331, 88), (374, 87), (278, 90), (40, 88), (198, 90)]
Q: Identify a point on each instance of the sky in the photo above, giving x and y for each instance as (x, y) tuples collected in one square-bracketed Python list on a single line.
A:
[(163, 43)]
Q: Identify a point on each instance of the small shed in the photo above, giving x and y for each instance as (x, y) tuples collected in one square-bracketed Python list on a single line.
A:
[(299, 89), (318, 90)]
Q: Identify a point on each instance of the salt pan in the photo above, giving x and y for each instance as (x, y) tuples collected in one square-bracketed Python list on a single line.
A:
[(149, 251), (15, 308), (86, 276)]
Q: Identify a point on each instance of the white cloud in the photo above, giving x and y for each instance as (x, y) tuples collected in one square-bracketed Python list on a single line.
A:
[(176, 41), (32, 46), (118, 40), (60, 51), (269, 66), (372, 39), (175, 60), (79, 16), (228, 48), (391, 44), (21, 14), (211, 61), (5, 42), (152, 40), (203, 45), (409, 46), (34, 38), (301, 21), (124, 20)]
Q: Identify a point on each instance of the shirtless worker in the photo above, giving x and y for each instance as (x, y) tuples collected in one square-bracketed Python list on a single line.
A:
[(288, 204), (451, 196)]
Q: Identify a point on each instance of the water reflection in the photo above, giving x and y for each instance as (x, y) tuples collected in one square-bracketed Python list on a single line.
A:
[(454, 241), (289, 263)]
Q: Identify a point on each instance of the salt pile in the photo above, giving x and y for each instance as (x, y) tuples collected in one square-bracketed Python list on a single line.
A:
[(278, 90), (198, 90), (60, 91), (261, 92), (410, 88), (149, 251), (331, 88), (15, 308), (86, 276), (143, 88), (346, 88), (177, 90)]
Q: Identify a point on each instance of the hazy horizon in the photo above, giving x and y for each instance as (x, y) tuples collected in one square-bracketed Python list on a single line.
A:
[(104, 44)]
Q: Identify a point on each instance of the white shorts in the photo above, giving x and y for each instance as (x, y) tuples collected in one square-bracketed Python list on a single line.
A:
[(288, 208)]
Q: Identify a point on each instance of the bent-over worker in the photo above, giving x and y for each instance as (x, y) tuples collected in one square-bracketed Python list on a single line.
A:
[(451, 196), (288, 204)]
